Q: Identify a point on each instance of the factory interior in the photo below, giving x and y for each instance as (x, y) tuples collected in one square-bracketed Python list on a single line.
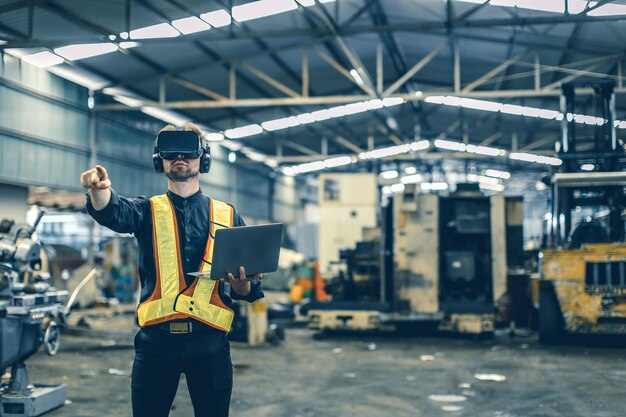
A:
[(449, 176)]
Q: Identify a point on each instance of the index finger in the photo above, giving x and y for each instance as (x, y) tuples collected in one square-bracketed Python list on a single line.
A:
[(242, 272), (102, 173)]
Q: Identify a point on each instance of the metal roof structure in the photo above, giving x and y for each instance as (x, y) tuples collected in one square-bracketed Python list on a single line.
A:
[(320, 79)]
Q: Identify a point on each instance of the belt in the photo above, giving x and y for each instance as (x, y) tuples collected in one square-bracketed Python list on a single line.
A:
[(176, 327), (181, 327)]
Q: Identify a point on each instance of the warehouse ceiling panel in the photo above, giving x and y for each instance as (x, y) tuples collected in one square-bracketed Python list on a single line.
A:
[(306, 72)]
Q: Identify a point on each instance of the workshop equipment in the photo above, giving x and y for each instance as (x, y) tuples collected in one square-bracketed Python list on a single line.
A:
[(582, 267), (438, 260), (31, 314)]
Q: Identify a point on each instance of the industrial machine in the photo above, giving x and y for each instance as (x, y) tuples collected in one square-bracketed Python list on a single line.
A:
[(31, 313), (583, 266), (440, 260)]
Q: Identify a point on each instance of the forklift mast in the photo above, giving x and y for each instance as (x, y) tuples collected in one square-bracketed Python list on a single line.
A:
[(592, 170)]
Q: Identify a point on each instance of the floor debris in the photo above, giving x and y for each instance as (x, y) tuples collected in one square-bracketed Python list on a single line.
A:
[(115, 371), (447, 398), (370, 346), (452, 408), (427, 358), (490, 377), (337, 350)]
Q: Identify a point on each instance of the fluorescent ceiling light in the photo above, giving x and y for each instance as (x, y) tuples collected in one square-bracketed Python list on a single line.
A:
[(522, 156), (397, 188), (518, 110), (435, 99), (420, 145), (550, 114), (283, 123), (410, 170), (411, 179), (483, 150), (214, 137), (357, 77), (482, 179), (374, 104), (43, 59), (449, 145), (165, 115), (587, 167), (129, 101), (190, 24), (128, 45), (321, 115), (540, 159), (498, 174), (262, 8), (161, 30), (434, 186), (232, 157), (470, 103), (512, 109), (389, 175), (392, 101), (386, 190), (338, 161), (243, 131), (217, 18), (85, 50), (305, 118), (452, 101), (79, 76), (384, 152)]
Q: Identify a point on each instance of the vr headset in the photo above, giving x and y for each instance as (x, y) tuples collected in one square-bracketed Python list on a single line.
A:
[(172, 144)]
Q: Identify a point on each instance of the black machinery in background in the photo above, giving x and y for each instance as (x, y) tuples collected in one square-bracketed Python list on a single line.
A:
[(465, 283), (31, 313), (588, 161), (435, 259)]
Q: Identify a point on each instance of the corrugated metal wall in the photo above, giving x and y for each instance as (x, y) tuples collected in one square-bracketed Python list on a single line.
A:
[(44, 140)]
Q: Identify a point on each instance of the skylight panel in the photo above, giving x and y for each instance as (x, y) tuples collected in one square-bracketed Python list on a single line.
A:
[(162, 30), (262, 8), (191, 24), (217, 18), (85, 50)]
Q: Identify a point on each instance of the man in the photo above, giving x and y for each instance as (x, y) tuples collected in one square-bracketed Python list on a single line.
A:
[(184, 319)]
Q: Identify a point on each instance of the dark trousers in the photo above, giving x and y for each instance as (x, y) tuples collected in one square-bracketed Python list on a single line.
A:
[(160, 358)]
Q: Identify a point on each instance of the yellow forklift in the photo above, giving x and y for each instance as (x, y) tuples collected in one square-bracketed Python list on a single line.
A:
[(583, 265)]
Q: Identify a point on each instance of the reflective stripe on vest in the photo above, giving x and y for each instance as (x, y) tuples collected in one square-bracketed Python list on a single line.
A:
[(171, 298)]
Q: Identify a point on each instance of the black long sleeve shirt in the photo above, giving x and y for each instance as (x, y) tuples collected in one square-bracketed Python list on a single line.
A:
[(133, 215)]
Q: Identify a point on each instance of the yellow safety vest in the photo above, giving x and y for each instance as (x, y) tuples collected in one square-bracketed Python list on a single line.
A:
[(171, 298)]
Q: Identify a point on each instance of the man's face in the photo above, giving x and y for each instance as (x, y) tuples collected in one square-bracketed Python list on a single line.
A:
[(181, 169)]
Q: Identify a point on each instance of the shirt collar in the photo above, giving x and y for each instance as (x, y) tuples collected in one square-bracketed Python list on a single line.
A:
[(179, 201)]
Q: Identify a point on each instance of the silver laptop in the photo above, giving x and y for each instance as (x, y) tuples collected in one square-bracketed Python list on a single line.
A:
[(256, 248)]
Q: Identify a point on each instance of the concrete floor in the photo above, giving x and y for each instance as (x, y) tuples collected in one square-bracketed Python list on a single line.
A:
[(362, 375)]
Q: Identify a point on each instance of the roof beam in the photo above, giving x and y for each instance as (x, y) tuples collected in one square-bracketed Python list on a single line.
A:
[(414, 70)]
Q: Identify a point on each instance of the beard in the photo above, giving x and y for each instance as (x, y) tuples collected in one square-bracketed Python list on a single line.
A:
[(181, 173)]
